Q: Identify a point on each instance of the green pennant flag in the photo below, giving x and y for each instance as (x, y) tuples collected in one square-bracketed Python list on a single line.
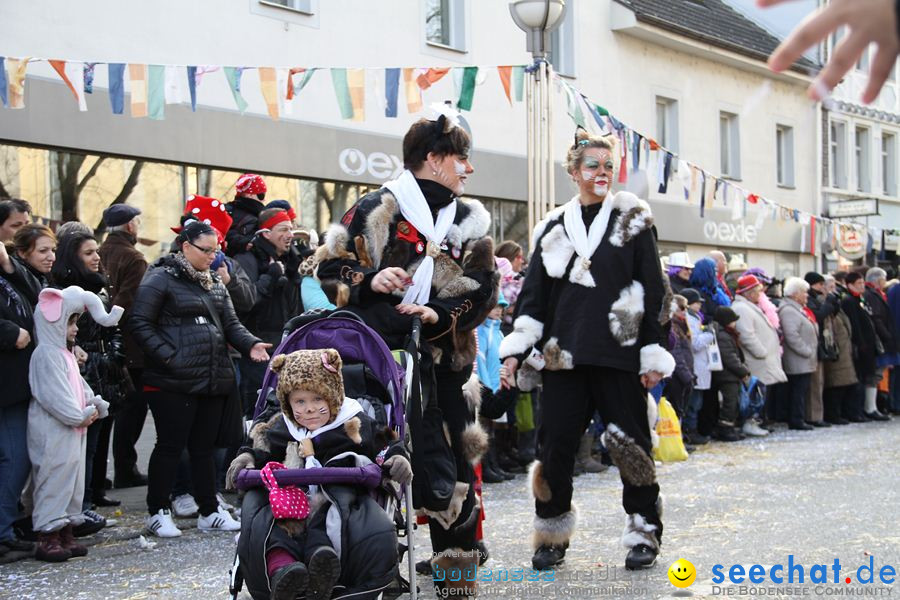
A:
[(518, 76), (342, 91), (306, 77), (156, 92), (468, 88), (233, 75), (572, 106), (602, 111)]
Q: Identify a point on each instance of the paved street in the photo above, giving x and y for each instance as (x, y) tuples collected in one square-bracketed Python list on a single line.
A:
[(816, 495)]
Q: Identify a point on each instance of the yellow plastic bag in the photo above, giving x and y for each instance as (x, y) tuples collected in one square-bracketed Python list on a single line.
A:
[(671, 447)]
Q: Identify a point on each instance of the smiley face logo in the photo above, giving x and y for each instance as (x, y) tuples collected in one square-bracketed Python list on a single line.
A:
[(682, 573)]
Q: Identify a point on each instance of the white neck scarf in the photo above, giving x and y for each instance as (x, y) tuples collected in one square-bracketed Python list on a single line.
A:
[(349, 409), (415, 209), (585, 242)]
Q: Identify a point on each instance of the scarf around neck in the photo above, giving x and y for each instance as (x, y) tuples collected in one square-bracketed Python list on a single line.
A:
[(416, 210), (583, 240), (204, 278)]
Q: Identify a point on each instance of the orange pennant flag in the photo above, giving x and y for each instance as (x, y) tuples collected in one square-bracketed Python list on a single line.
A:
[(413, 92), (268, 83), (430, 77), (137, 75), (60, 67), (505, 77)]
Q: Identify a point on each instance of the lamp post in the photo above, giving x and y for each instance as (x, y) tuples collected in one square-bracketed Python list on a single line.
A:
[(538, 18)]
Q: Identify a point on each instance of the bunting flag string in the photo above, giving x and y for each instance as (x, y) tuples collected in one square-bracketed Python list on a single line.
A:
[(698, 184)]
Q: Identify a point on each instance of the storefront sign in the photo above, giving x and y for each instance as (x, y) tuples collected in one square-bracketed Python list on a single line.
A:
[(853, 208), (852, 243), (729, 233), (355, 162)]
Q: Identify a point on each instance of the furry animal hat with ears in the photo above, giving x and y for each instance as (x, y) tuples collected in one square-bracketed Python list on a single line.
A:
[(317, 371)]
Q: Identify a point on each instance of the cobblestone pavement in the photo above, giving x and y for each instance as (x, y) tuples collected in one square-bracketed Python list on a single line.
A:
[(819, 496)]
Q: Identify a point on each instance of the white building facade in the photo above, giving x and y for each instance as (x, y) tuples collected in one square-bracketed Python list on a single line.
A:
[(710, 100)]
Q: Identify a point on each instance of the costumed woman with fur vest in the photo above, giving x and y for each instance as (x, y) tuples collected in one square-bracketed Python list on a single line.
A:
[(595, 255), (401, 251)]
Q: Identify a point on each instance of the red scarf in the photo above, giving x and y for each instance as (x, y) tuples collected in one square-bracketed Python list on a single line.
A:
[(880, 291), (810, 315)]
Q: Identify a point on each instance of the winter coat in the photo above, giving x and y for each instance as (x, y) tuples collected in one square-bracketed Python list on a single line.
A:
[(374, 235), (16, 313), (368, 541), (821, 305), (801, 339), (759, 340), (680, 347), (862, 334), (62, 401), (840, 372), (311, 295), (735, 369), (240, 288), (608, 318), (277, 286), (245, 221), (678, 284), (488, 362), (104, 369), (185, 352), (701, 340), (125, 267), (883, 320)]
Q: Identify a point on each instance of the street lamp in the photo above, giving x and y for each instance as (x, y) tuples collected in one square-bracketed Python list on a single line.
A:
[(538, 18)]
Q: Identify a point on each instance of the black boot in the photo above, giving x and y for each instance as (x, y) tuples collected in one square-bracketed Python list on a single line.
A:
[(546, 557), (324, 572), (526, 446), (289, 581), (641, 556)]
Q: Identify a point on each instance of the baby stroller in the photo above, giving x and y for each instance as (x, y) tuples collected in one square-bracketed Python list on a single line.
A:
[(373, 376)]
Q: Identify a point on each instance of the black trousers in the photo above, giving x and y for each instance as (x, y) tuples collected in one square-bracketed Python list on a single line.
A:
[(568, 402), (447, 387), (678, 394), (708, 417), (129, 424), (841, 401), (794, 404), (184, 420)]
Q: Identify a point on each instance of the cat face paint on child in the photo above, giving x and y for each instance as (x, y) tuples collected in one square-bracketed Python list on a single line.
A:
[(310, 409)]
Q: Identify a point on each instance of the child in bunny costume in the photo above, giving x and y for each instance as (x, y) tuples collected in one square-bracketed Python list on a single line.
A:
[(63, 407)]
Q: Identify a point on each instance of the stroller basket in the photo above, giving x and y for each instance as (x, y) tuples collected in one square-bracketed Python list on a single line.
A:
[(368, 476)]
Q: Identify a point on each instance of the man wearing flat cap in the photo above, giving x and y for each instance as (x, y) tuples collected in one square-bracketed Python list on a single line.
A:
[(125, 267)]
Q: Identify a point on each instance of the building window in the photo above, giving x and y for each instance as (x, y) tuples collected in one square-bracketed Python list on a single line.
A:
[(729, 145), (784, 151), (562, 44), (304, 6), (889, 164), (445, 23), (835, 40), (863, 181), (863, 63), (667, 123), (838, 155)]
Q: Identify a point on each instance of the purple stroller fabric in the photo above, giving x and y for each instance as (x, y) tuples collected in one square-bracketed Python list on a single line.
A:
[(355, 342), (368, 476)]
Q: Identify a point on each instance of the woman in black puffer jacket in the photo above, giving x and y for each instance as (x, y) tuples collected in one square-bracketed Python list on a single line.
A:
[(189, 371)]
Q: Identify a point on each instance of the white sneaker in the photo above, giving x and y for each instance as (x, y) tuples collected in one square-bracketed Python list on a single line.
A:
[(224, 503), (221, 520), (751, 428), (162, 525), (184, 506)]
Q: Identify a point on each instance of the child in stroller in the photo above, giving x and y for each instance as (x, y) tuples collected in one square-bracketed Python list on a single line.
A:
[(348, 544)]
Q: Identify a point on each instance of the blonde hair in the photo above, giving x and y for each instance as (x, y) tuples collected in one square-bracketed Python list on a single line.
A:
[(583, 141)]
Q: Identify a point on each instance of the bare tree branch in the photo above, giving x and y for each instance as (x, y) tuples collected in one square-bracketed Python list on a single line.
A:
[(87, 176), (127, 188)]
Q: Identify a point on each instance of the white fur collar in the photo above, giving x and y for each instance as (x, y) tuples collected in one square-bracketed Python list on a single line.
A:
[(349, 409)]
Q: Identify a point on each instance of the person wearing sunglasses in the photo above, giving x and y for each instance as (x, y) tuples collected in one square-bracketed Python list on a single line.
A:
[(183, 320)]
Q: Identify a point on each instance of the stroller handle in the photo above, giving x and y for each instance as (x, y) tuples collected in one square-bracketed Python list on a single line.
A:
[(416, 333), (368, 476)]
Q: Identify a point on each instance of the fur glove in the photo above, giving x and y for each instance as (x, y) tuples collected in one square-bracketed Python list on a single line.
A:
[(399, 469), (240, 462)]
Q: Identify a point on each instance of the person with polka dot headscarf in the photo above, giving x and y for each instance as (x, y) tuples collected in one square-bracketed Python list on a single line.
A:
[(249, 194)]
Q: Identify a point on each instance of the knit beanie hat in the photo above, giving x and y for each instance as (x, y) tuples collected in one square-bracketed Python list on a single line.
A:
[(812, 278), (725, 316), (317, 371), (691, 295)]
